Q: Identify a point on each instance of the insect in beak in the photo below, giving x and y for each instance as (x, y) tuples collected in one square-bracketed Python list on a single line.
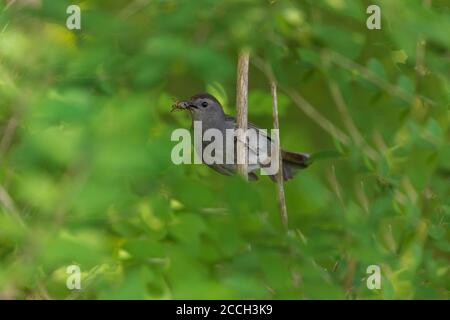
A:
[(183, 105)]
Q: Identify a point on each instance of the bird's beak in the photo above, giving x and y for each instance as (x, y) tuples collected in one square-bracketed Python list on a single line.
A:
[(186, 104)]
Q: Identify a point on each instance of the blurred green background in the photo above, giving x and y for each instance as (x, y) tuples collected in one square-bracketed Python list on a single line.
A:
[(86, 176)]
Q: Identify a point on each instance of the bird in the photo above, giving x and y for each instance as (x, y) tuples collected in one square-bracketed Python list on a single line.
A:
[(206, 108)]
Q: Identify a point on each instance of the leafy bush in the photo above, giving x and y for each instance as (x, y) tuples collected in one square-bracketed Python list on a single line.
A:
[(86, 176)]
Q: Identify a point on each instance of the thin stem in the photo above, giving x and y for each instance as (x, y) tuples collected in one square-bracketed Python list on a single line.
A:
[(393, 90), (304, 105), (279, 175), (348, 121), (8, 135), (242, 111), (315, 115), (10, 208)]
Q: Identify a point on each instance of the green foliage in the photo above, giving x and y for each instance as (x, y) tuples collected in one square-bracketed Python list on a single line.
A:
[(86, 176)]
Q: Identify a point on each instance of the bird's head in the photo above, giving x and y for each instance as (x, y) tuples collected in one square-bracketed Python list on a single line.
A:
[(202, 106)]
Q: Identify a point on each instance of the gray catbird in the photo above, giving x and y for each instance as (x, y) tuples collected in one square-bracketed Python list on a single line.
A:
[(207, 109)]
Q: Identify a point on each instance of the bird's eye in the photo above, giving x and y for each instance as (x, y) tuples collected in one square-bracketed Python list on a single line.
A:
[(204, 104)]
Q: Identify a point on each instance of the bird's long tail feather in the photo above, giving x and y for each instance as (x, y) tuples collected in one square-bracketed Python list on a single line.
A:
[(292, 162)]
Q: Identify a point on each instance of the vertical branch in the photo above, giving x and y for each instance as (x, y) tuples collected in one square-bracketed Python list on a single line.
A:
[(279, 176), (267, 70), (242, 113)]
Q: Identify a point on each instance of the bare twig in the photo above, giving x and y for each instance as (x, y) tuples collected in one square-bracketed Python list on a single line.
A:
[(267, 70), (8, 136), (315, 115), (279, 175), (242, 112), (348, 121), (7, 202), (9, 4), (21, 4), (347, 282), (332, 178), (263, 67), (304, 105), (133, 7), (393, 90), (362, 197)]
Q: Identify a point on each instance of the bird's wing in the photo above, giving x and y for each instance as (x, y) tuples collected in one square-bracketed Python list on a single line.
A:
[(258, 153), (249, 125)]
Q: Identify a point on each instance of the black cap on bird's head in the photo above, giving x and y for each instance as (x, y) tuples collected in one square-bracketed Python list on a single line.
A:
[(201, 105)]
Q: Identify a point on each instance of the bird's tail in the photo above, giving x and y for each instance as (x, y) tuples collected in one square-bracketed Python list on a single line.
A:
[(292, 162)]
